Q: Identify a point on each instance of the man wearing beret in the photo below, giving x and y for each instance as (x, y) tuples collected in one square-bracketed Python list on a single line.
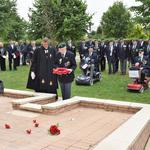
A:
[(65, 59), (41, 77)]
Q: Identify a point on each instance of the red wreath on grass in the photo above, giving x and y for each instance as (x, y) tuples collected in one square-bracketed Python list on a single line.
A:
[(61, 71), (54, 130)]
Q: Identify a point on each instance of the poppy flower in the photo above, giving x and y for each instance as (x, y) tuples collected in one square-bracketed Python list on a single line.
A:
[(28, 131), (36, 124), (7, 126), (34, 121), (54, 130)]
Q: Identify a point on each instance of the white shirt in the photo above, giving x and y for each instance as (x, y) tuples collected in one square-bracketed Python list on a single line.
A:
[(12, 46), (111, 50)]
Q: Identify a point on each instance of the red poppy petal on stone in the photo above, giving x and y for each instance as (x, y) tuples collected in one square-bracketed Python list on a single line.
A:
[(7, 126), (28, 131), (34, 121), (36, 124)]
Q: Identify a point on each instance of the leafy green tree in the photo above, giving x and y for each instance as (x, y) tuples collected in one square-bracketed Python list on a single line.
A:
[(99, 30), (43, 18), (59, 19), (143, 14), (116, 22), (137, 32), (12, 26)]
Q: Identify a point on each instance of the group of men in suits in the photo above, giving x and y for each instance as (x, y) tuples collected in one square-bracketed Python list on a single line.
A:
[(17, 53), (12, 50), (115, 53)]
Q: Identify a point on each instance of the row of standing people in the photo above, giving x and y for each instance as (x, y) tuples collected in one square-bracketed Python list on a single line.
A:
[(17, 54), (21, 53), (115, 53)]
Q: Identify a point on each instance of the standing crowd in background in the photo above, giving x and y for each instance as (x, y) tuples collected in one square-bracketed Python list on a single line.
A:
[(17, 54), (43, 58), (118, 54)]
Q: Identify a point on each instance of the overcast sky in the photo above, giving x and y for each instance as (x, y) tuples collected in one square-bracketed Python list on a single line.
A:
[(94, 6)]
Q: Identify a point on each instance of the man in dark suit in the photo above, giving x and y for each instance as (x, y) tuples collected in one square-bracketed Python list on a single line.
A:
[(143, 62), (91, 59), (133, 51), (71, 47), (65, 59), (90, 43), (41, 77), (82, 49), (123, 55), (2, 57), (147, 49), (111, 57), (12, 55), (116, 47), (102, 58)]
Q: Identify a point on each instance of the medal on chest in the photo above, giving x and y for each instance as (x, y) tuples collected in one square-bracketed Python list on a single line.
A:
[(67, 64), (50, 55)]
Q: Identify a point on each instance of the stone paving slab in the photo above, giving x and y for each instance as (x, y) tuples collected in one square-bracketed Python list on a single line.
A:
[(81, 128)]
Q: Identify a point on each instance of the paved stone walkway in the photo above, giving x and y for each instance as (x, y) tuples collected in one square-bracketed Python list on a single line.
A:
[(81, 128), (148, 145)]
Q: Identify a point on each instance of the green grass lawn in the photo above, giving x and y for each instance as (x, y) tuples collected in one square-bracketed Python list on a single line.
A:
[(111, 87)]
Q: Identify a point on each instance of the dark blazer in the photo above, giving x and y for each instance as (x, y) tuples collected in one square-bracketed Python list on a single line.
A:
[(93, 60), (72, 49), (143, 61), (11, 50), (83, 49), (66, 62), (122, 52), (113, 53), (102, 50)]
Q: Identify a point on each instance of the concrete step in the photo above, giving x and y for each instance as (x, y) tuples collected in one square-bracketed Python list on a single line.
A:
[(31, 107)]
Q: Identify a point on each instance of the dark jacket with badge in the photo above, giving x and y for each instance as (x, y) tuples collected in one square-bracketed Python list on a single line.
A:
[(43, 63), (142, 61), (68, 61), (122, 52), (93, 58)]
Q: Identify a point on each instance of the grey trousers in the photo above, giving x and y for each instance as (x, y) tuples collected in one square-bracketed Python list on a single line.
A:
[(123, 66), (65, 90)]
